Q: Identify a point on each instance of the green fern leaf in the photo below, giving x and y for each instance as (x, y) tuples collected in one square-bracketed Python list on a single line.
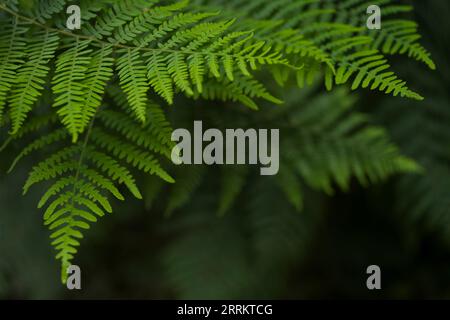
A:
[(69, 86), (134, 82), (12, 48), (98, 73), (31, 76)]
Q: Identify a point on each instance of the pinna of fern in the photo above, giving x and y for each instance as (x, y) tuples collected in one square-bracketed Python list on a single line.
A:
[(86, 174), (324, 34), (326, 144), (151, 46), (168, 47), (176, 52)]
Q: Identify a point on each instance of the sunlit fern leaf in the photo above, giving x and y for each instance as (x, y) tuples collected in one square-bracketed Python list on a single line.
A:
[(169, 66), (12, 52), (396, 36), (133, 81), (74, 199), (244, 90), (327, 32), (141, 159), (69, 86), (142, 136), (39, 144), (98, 73), (371, 70), (166, 20), (114, 17), (400, 36), (89, 9), (159, 76), (31, 76), (155, 133), (35, 124), (197, 70), (179, 49)]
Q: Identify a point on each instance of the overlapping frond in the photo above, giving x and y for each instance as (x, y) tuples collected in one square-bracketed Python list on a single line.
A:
[(161, 48), (320, 35), (326, 145), (86, 174), (245, 90), (12, 51), (170, 49), (31, 76), (396, 36), (101, 84), (334, 146), (68, 87), (46, 9)]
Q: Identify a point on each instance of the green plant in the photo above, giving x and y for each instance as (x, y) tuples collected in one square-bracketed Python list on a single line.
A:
[(91, 101), (425, 197)]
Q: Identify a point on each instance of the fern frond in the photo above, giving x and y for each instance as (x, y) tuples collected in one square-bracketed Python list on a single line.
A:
[(12, 51), (159, 76), (98, 73), (148, 137), (370, 69), (158, 46), (85, 173), (397, 36), (31, 76), (39, 144), (154, 135), (142, 160), (116, 16), (400, 36), (161, 50), (133, 80), (325, 32), (69, 86)]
